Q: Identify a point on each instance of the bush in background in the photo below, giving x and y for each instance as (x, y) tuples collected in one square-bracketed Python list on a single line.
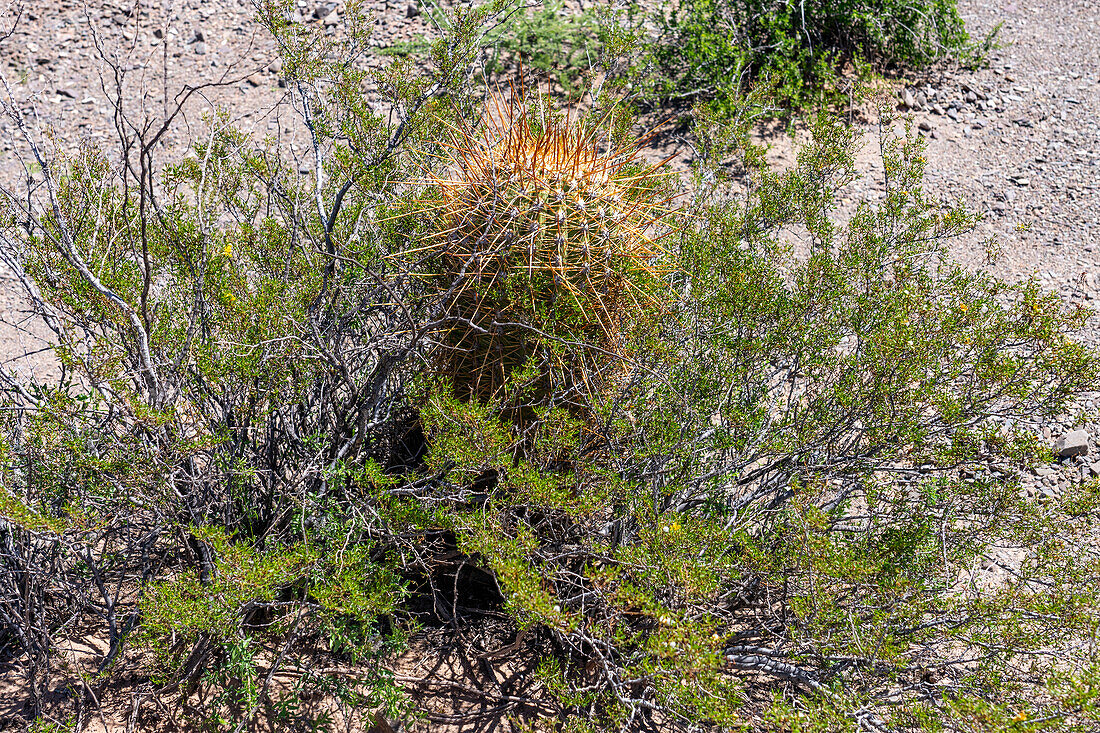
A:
[(713, 50)]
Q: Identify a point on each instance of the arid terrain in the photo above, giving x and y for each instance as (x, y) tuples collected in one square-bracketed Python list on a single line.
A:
[(1018, 140)]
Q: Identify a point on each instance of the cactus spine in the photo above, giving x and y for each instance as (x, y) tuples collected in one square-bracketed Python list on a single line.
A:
[(546, 230)]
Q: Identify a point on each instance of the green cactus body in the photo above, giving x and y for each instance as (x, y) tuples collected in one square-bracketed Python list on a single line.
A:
[(547, 230)]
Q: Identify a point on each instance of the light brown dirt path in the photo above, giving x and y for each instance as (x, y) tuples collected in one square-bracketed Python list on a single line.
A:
[(1020, 141), (1026, 143)]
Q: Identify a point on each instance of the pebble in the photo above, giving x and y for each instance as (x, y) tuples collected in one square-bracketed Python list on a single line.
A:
[(1073, 443)]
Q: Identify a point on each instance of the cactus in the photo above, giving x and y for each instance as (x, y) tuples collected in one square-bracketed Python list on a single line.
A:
[(547, 231)]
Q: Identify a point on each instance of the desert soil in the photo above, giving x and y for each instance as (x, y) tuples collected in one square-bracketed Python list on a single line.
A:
[(1018, 140)]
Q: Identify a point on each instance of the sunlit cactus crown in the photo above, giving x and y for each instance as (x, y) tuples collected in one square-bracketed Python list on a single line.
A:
[(551, 209)]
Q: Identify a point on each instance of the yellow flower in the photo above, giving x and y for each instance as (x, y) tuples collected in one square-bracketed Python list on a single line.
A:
[(1019, 717), (228, 251)]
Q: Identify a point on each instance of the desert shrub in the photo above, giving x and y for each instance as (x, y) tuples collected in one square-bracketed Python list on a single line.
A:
[(713, 49), (216, 407), (545, 38), (771, 487), (549, 40), (735, 477)]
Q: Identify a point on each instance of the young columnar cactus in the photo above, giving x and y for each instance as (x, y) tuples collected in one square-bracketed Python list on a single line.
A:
[(546, 228)]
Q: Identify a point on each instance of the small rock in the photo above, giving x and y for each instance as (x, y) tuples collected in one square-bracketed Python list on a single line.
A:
[(412, 10), (971, 97), (953, 114), (200, 48), (1094, 470), (907, 98), (1022, 182), (197, 37), (938, 109), (1074, 443), (925, 125), (331, 19), (255, 80), (275, 66), (999, 207)]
